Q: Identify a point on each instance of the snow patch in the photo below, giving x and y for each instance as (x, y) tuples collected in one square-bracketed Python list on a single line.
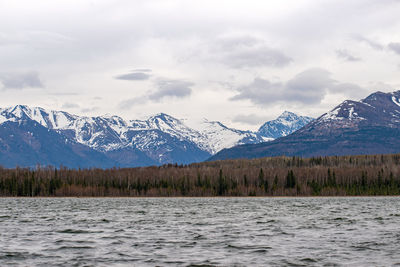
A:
[(396, 101)]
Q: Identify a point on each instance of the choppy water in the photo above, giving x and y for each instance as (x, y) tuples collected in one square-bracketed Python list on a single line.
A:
[(200, 231)]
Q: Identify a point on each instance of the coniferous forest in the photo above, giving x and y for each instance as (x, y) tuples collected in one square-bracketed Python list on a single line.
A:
[(277, 176)]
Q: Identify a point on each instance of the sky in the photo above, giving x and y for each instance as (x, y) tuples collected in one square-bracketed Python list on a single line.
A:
[(238, 62)]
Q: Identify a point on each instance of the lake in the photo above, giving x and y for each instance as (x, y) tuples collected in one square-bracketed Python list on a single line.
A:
[(361, 231)]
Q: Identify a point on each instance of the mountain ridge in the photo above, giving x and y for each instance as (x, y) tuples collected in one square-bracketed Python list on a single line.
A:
[(368, 126), (158, 140)]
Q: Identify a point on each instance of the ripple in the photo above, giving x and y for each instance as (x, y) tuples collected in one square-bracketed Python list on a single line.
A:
[(200, 231)]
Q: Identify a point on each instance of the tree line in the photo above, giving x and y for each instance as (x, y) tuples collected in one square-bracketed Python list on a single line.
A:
[(274, 176)]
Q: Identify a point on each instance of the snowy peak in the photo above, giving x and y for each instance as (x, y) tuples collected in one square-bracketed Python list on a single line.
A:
[(375, 110), (171, 125), (217, 136), (285, 124), (348, 110), (288, 116), (49, 119), (383, 101)]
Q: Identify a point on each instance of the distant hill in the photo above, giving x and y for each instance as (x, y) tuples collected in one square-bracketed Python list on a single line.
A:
[(369, 126)]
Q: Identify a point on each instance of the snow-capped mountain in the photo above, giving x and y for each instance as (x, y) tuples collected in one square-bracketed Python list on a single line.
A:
[(131, 143), (217, 136), (157, 140), (368, 126), (285, 124), (378, 109)]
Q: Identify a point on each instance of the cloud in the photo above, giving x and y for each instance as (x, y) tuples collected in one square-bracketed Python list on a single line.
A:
[(165, 88), (247, 51), (70, 105), (130, 102), (20, 80), (260, 91), (171, 88), (345, 55), (308, 87), (257, 57), (370, 43), (87, 110), (142, 70), (134, 76), (63, 93), (381, 86), (251, 119), (395, 47)]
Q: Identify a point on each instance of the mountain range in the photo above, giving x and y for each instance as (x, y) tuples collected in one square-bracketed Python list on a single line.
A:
[(368, 126), (33, 135)]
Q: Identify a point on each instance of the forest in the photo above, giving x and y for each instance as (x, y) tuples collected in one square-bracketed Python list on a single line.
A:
[(369, 175)]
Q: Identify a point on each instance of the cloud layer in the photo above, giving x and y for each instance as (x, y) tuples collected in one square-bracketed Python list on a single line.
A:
[(134, 76), (165, 88), (345, 55), (223, 60), (171, 88), (20, 80), (395, 47), (307, 88)]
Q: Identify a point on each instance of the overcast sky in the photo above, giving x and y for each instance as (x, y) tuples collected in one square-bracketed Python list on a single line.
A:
[(239, 62)]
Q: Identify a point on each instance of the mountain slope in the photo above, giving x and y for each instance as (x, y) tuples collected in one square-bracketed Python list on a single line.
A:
[(369, 126), (217, 136), (27, 143)]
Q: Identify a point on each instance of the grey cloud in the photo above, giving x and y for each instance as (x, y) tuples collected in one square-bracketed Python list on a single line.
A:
[(308, 87), (235, 42), (260, 91), (142, 70), (20, 80), (165, 88), (70, 105), (171, 88), (351, 90), (381, 86), (395, 47), (257, 57), (86, 110), (371, 43), (63, 93), (128, 103), (251, 119), (134, 76), (344, 54), (248, 51)]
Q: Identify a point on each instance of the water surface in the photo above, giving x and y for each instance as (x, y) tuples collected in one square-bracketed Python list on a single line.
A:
[(200, 231)]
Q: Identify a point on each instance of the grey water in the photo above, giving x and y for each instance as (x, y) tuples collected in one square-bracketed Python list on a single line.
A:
[(341, 231)]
